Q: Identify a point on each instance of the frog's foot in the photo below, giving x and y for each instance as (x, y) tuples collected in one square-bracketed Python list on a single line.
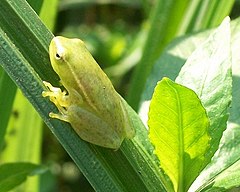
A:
[(57, 96), (63, 117)]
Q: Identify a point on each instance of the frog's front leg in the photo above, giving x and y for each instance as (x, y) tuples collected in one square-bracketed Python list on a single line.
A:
[(61, 100)]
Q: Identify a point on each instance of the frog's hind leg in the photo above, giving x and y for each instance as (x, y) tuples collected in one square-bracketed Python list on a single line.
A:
[(94, 129)]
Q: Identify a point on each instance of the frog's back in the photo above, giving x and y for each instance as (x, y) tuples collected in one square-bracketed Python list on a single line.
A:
[(98, 92)]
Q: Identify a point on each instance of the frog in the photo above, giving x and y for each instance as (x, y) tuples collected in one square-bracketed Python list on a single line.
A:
[(89, 102)]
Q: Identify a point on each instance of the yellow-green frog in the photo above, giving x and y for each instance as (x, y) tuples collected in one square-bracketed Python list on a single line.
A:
[(90, 103)]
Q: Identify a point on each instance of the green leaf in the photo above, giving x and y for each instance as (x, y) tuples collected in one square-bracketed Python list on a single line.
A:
[(7, 93), (24, 128), (36, 5), (13, 174), (178, 126), (170, 19), (48, 13), (229, 178), (208, 72), (24, 132), (160, 33), (230, 142), (206, 14)]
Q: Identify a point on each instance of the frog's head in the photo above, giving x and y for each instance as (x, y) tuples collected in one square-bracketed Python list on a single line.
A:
[(65, 54)]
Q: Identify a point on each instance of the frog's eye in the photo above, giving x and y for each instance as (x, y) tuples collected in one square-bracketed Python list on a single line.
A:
[(58, 56)]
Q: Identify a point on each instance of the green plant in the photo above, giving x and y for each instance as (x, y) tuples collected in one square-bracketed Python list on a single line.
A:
[(183, 135)]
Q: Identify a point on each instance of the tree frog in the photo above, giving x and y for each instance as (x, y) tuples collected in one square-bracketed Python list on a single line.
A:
[(90, 103)]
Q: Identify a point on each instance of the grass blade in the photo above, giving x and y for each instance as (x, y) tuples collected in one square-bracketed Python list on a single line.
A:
[(7, 93), (24, 55)]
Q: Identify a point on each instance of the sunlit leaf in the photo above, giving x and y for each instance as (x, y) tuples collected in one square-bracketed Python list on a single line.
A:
[(208, 72), (179, 131)]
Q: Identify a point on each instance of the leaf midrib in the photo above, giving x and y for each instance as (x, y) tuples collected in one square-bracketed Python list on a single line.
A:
[(180, 139)]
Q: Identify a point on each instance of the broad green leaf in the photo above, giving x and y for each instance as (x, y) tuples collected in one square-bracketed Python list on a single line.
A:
[(178, 126), (230, 142), (229, 178), (208, 72), (177, 52), (13, 174)]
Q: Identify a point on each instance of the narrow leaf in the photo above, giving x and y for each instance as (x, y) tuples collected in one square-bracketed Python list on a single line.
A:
[(36, 5), (27, 63), (160, 33), (13, 174), (24, 132), (179, 130), (176, 18), (7, 93)]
